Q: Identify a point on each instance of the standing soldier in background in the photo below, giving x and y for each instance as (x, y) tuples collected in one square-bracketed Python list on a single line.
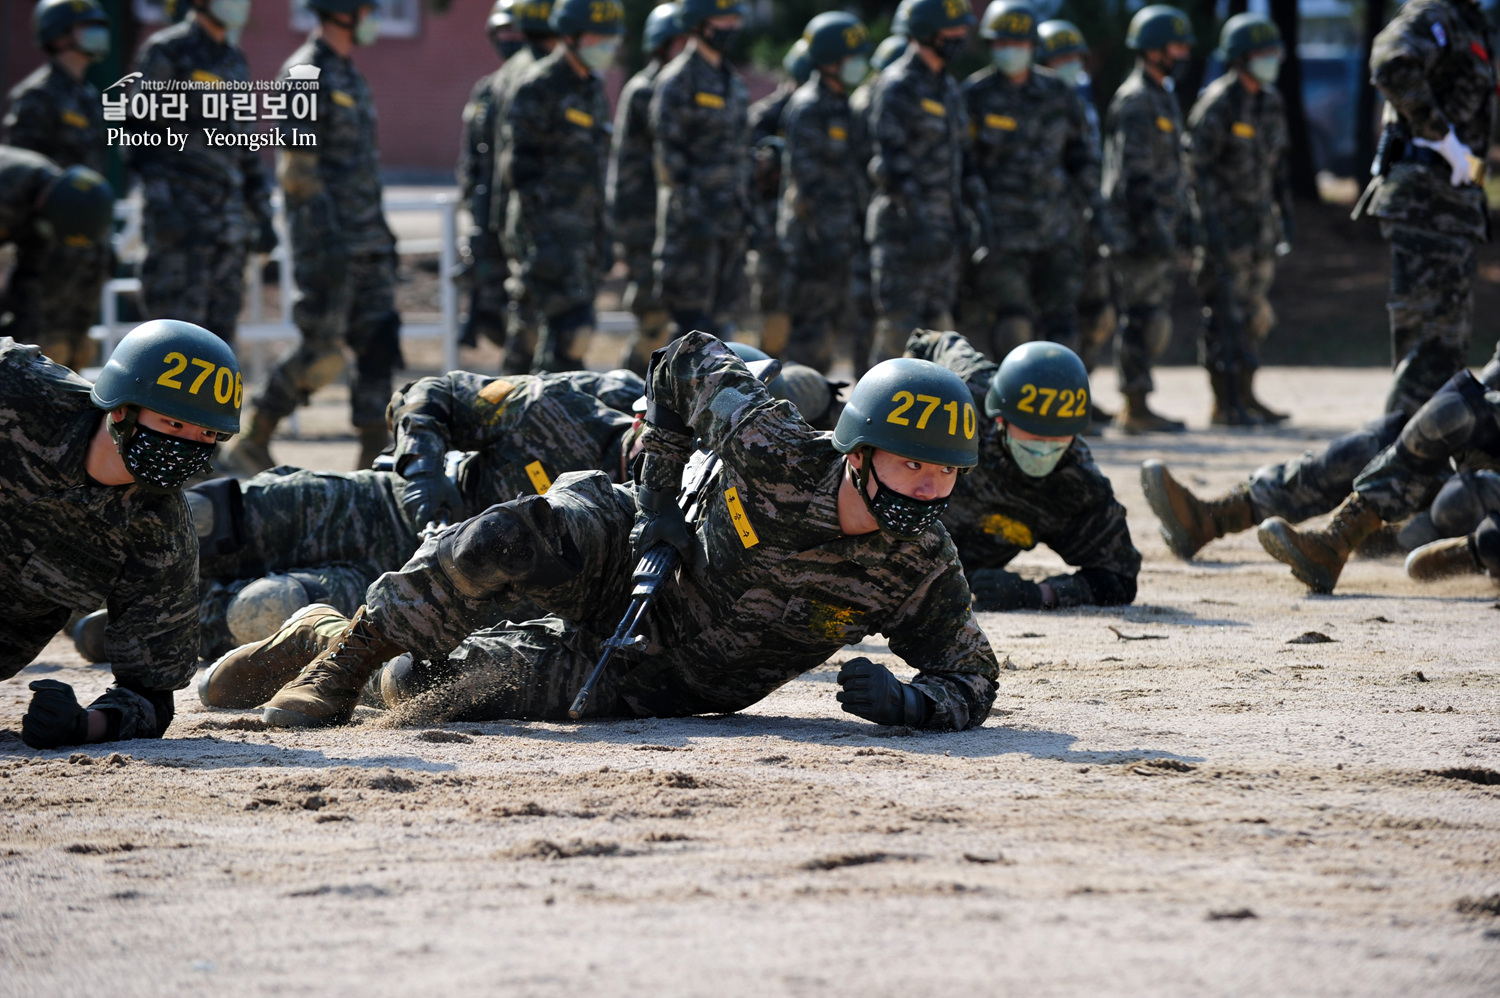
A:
[(205, 205), (1236, 144), (918, 129), (767, 263), (699, 121), (819, 220), (631, 188), (1032, 150), (1433, 65), (556, 131), (1146, 185), (476, 171), (343, 253)]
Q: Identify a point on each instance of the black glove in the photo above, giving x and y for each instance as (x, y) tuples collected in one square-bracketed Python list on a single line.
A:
[(431, 498), (54, 717), (659, 518), (995, 589), (871, 692), (265, 240)]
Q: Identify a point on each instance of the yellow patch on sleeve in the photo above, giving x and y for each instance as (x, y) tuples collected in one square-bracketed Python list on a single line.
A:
[(1004, 122), (494, 393), (741, 521), (705, 99), (1013, 531), (204, 76), (834, 623), (1243, 129), (342, 99), (934, 107), (75, 119), (1164, 123), (838, 134), (538, 476), (580, 118)]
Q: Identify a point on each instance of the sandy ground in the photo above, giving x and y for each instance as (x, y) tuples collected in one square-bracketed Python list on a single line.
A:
[(1168, 799)]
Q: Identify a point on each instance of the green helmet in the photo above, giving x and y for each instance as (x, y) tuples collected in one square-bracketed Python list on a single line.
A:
[(925, 18), (502, 15), (1041, 388), (747, 353), (533, 17), (661, 27), (339, 6), (177, 369), (1246, 33), (79, 207), (899, 24), (1056, 39), (598, 17), (796, 63), (888, 52), (915, 409), (1009, 21), (1157, 26), (811, 393), (694, 12), (51, 19), (834, 36)]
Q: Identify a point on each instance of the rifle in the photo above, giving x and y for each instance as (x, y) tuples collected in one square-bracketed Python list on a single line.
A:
[(659, 562)]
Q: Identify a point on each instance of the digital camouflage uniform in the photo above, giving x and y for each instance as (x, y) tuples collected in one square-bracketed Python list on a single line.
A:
[(522, 325), (858, 322), (1236, 147), (69, 545), (343, 252), (488, 304), (1145, 184), (1040, 169), (700, 125), (336, 533), (820, 219), (918, 127), (203, 205), (556, 139), (997, 511), (759, 605), (630, 192), (1097, 313), (767, 261), (1432, 63), (42, 303)]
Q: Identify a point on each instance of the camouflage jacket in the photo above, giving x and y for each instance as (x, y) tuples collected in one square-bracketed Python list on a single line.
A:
[(59, 117), (767, 120), (860, 146), (1434, 64), (997, 511), (1236, 146), (775, 587), (821, 200), (218, 192), (67, 541), (38, 298), (476, 150), (700, 124), (1033, 151), (556, 138), (1145, 175), (337, 176), (630, 189), (502, 88), (524, 431)]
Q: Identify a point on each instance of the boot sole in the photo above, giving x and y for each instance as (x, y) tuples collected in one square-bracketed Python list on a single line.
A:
[(1155, 489), (1275, 537), (280, 717)]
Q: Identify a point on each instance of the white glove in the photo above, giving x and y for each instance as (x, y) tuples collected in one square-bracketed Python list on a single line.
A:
[(1455, 152)]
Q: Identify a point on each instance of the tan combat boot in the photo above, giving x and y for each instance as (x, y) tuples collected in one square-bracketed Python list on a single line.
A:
[(251, 453), (1187, 522), (1443, 559), (1137, 417), (249, 675), (1257, 409), (326, 691), (1318, 556)]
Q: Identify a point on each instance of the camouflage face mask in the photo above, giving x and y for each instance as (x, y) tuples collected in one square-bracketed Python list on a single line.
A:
[(897, 514), (162, 463)]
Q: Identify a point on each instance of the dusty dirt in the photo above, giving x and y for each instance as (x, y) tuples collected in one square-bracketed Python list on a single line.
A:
[(1171, 798)]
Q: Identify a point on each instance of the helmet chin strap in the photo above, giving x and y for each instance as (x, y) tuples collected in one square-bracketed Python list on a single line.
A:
[(861, 477), (121, 430)]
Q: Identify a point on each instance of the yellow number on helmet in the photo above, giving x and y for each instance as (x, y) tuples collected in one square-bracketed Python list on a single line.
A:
[(895, 416), (177, 363)]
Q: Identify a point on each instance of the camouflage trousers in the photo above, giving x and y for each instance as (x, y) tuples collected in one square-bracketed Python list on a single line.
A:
[(488, 302), (653, 321), (1098, 315), (1315, 483), (552, 285), (701, 282), (1015, 296), (198, 282), (1431, 306), (335, 533), (908, 295), (816, 299), (1237, 315), (70, 303), (342, 300), (1146, 284), (858, 323)]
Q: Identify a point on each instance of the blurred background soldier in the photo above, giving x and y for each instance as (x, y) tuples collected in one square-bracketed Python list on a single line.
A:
[(699, 120), (918, 128), (206, 205), (533, 17), (1040, 169), (631, 188), (1145, 183), (1236, 144), (343, 253), (819, 221), (1433, 65), (556, 129), (476, 170), (766, 261)]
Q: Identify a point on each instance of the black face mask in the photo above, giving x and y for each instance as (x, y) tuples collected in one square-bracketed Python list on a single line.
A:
[(721, 40), (899, 515), (160, 462), (950, 49)]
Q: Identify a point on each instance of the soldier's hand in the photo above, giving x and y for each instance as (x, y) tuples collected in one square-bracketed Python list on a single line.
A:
[(54, 717), (658, 518), (999, 590), (871, 692), (431, 498), (266, 240), (1460, 158)]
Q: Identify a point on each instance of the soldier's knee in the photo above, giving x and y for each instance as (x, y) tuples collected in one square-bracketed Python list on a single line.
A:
[(1485, 542), (258, 610), (1457, 508), (519, 542), (1440, 426)]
